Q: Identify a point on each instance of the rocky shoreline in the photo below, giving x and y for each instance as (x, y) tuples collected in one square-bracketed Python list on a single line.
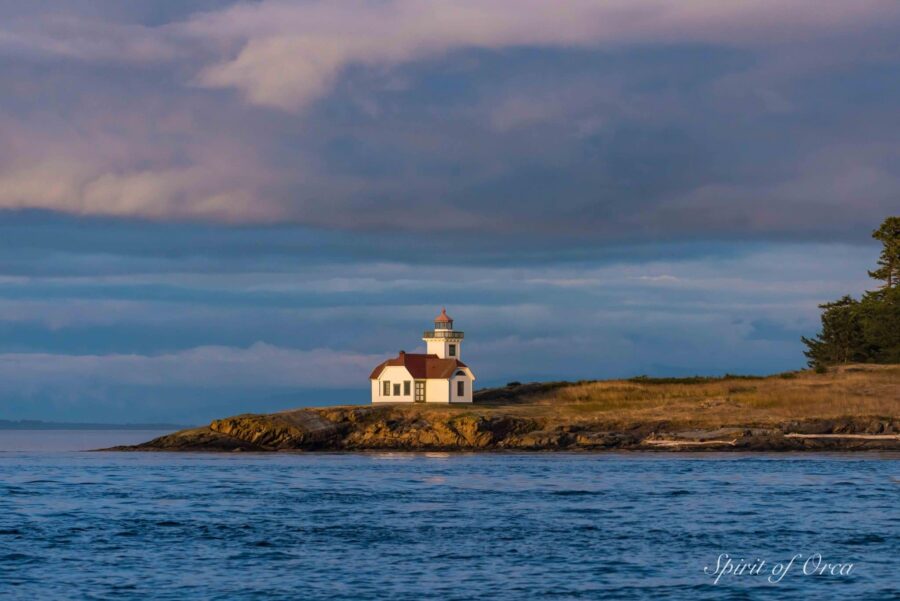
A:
[(405, 428)]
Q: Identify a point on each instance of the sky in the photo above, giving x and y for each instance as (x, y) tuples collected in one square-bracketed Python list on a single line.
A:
[(215, 207)]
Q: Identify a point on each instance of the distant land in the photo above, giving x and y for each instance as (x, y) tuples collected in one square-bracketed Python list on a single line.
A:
[(847, 408), (33, 424)]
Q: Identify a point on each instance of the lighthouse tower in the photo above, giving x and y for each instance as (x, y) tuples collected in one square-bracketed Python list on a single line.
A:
[(443, 340)]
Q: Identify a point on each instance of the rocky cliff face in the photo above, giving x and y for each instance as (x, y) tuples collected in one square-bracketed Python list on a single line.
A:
[(458, 429)]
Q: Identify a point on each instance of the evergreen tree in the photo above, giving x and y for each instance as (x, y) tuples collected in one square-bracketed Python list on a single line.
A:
[(841, 339), (889, 261), (867, 330), (880, 321)]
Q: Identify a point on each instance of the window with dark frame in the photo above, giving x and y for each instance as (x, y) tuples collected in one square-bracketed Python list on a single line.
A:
[(406, 386), (452, 350), (396, 390), (386, 388), (460, 388)]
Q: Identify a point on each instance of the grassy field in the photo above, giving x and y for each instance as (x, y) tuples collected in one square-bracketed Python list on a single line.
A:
[(853, 390), (790, 411)]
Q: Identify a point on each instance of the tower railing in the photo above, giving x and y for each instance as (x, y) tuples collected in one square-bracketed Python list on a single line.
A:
[(443, 334)]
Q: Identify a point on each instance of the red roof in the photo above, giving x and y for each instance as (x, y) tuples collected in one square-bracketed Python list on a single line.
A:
[(421, 366), (443, 317)]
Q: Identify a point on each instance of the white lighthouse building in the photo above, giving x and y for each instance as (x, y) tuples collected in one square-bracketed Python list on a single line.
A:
[(437, 376)]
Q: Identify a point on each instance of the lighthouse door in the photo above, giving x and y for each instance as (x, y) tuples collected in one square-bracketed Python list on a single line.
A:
[(420, 391)]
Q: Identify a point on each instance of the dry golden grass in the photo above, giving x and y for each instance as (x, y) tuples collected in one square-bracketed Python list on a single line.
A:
[(855, 390), (848, 391)]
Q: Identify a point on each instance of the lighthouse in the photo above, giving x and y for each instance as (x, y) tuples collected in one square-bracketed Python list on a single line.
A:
[(443, 340), (437, 376)]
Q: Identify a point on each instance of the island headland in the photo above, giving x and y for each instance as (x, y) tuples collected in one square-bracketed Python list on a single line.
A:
[(849, 408)]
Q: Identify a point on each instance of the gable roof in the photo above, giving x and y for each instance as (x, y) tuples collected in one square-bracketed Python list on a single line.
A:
[(421, 366)]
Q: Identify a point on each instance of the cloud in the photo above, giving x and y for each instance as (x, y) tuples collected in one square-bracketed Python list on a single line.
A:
[(76, 38), (281, 72), (157, 341), (197, 192), (658, 279), (215, 366), (850, 182), (121, 163), (290, 54), (582, 127), (188, 386)]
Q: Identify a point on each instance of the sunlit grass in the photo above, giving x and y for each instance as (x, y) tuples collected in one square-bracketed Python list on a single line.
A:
[(856, 390)]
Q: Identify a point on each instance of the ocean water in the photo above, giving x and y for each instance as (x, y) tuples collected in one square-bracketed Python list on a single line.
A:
[(78, 525)]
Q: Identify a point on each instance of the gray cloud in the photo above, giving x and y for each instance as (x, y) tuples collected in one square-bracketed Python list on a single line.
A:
[(292, 54), (157, 343), (601, 123), (219, 366), (61, 36)]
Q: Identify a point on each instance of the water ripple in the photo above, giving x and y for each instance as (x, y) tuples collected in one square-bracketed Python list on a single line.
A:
[(408, 526)]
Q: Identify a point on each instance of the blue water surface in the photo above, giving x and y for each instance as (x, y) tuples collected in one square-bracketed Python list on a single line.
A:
[(399, 526)]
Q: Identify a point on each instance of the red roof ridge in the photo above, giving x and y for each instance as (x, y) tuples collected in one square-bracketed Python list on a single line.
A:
[(422, 366)]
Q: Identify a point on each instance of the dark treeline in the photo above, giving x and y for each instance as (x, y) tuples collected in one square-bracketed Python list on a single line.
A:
[(865, 330)]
